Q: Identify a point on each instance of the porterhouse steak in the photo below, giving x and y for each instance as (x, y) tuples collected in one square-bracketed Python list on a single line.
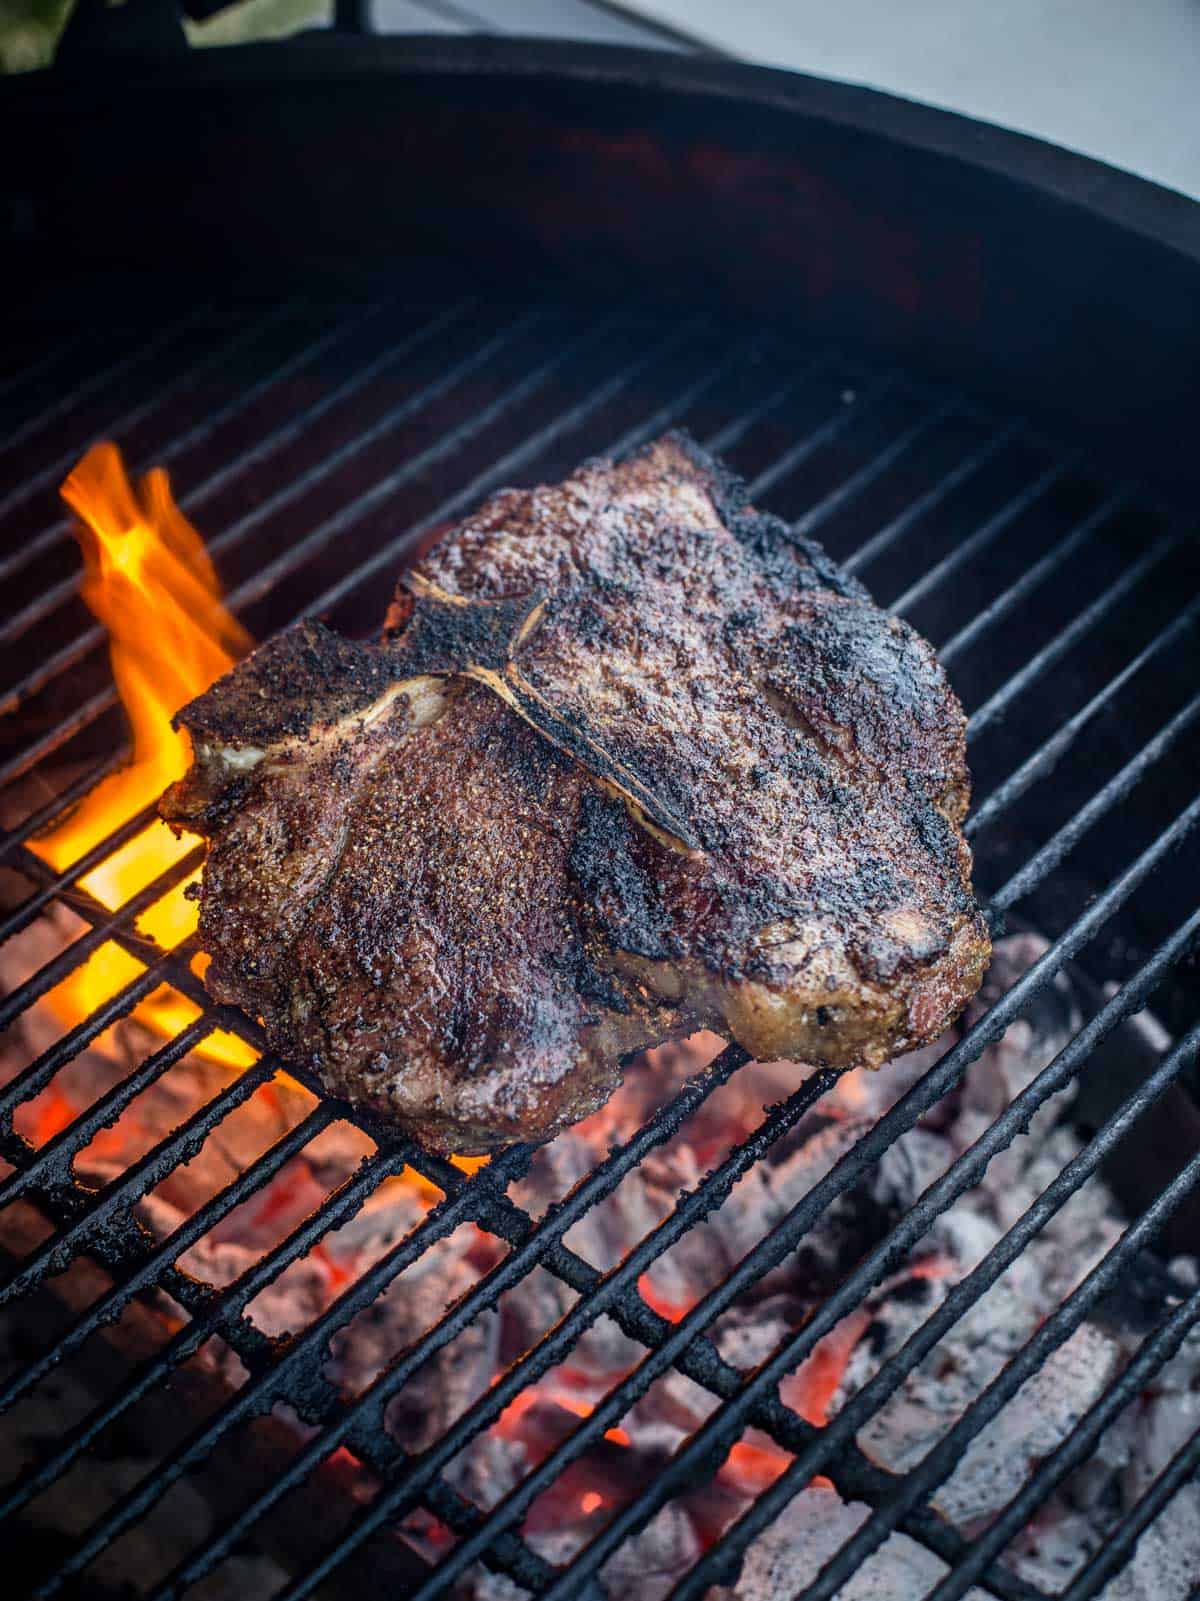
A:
[(629, 758)]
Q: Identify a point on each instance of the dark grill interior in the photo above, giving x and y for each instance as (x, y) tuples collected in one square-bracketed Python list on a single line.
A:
[(317, 451)]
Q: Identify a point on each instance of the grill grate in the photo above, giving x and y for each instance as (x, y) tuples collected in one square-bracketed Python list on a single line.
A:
[(325, 452)]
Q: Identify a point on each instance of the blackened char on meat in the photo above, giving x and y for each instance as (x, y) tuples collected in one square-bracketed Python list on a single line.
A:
[(629, 759)]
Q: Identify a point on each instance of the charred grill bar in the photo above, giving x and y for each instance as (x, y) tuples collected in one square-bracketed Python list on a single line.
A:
[(319, 449), (98, 1223)]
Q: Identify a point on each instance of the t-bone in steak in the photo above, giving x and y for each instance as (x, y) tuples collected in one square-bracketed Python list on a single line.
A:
[(629, 759)]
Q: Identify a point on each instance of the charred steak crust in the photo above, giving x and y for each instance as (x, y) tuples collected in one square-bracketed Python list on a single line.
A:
[(301, 678), (630, 758)]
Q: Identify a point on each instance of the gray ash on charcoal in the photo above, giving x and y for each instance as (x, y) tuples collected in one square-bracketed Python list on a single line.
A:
[(924, 1406)]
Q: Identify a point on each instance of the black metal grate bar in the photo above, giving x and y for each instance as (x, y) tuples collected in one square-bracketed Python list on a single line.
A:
[(959, 1300), (1048, 754), (511, 462), (1035, 575), (172, 964), (243, 398), (74, 955), (892, 532), (50, 1167), (37, 750), (51, 476), (1043, 863), (101, 1223), (966, 550), (121, 368), (412, 406), (38, 820), (110, 1204), (34, 1078), (1040, 663), (920, 1482), (850, 411), (850, 488), (22, 915), (277, 440), (736, 430), (666, 415), (694, 1455), (1154, 1353), (230, 469), (57, 531), (963, 1175), (1118, 1548)]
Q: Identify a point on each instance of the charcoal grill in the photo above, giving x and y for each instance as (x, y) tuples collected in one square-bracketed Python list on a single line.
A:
[(963, 360)]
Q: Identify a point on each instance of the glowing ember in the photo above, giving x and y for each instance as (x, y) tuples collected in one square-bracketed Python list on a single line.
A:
[(810, 1390), (581, 1408), (516, 1409), (754, 1467), (148, 579), (673, 1311), (53, 1113)]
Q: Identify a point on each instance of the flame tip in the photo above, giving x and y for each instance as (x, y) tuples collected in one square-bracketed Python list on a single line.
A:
[(149, 579)]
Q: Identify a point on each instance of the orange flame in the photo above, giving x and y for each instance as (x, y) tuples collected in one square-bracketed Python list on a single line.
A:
[(149, 580)]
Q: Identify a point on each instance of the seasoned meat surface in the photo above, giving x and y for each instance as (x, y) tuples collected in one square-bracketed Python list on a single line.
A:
[(629, 759)]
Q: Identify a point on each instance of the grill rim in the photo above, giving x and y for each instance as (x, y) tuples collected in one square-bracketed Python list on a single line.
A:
[(1166, 223), (1081, 210), (1153, 210)]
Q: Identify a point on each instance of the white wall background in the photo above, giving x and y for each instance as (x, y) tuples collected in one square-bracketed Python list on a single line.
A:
[(1117, 79)]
